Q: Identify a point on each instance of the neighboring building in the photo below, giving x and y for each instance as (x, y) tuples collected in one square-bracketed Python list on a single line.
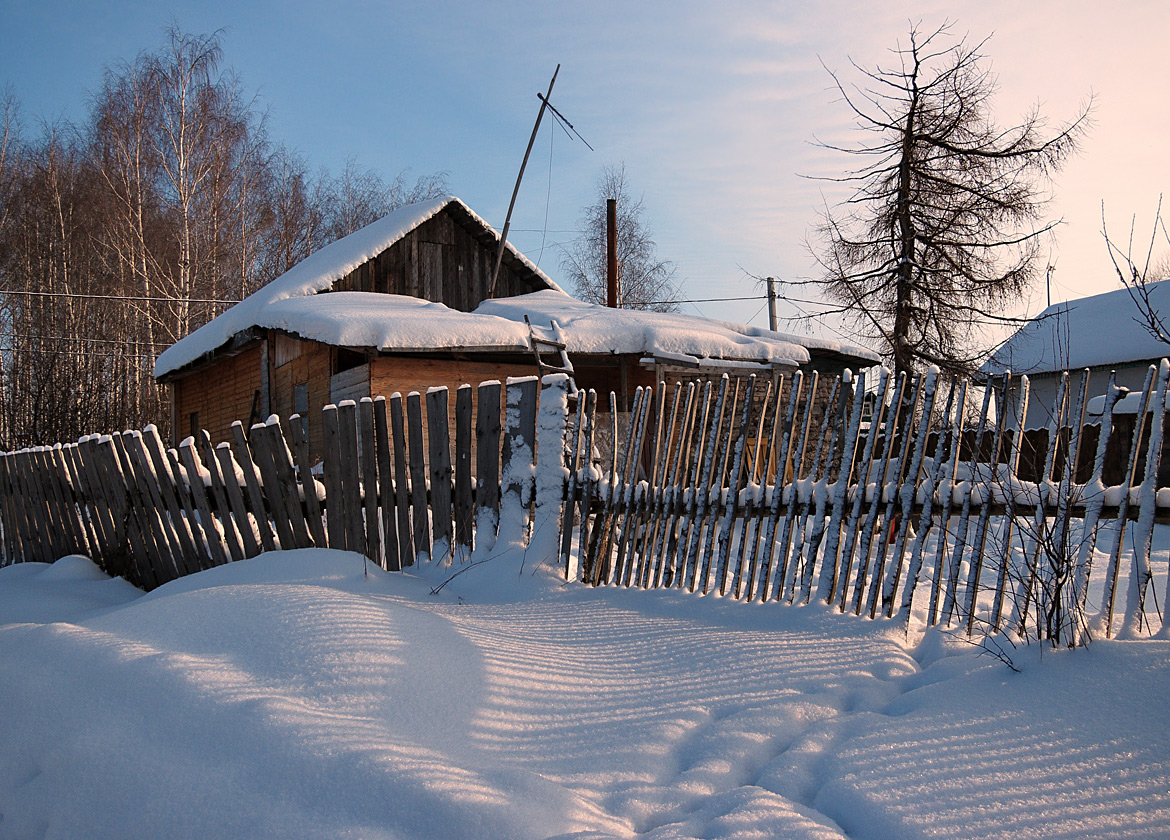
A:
[(1102, 333), (404, 304)]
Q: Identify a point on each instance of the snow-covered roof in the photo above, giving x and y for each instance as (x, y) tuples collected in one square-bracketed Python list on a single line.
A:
[(592, 329), (589, 328), (1089, 332), (317, 273), (297, 303), (391, 323)]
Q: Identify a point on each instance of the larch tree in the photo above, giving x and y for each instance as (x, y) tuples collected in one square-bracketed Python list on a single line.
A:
[(644, 280), (945, 219)]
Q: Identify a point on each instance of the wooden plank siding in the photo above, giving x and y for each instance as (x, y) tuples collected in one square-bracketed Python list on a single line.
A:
[(390, 375), (442, 260), (220, 395), (306, 363)]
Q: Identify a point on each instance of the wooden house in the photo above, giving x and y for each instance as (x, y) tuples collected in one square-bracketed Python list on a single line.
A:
[(1101, 334), (404, 304)]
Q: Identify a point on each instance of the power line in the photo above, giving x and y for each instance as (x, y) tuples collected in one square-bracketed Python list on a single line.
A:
[(747, 297), (122, 341), (114, 297), (112, 354)]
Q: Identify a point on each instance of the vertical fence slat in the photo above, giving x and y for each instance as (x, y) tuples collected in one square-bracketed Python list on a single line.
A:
[(663, 536), (334, 504), (371, 481), (709, 521), (199, 494), (110, 539), (243, 456), (749, 531), (350, 478), (263, 456), (585, 504), (464, 492), (229, 498), (82, 499), (853, 525), (893, 415), (785, 564), (976, 561), (951, 594), (143, 546), (1141, 576), (683, 493), (734, 480), (167, 483), (654, 486), (630, 483), (666, 463), (307, 482), (439, 441), (915, 430), (487, 462), (571, 490), (418, 476), (401, 484), (830, 580), (1009, 517), (153, 510), (202, 541), (291, 489), (1095, 500), (387, 488), (807, 553), (701, 489)]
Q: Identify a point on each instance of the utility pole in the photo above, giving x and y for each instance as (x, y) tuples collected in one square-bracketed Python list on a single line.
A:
[(771, 303), (611, 266), (516, 191)]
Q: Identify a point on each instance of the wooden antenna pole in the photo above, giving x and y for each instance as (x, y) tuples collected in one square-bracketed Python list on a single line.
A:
[(516, 190)]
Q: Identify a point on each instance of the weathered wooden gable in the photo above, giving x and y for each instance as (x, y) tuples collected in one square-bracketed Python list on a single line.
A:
[(445, 260)]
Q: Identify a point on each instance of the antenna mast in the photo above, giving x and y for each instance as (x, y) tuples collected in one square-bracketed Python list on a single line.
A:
[(508, 220)]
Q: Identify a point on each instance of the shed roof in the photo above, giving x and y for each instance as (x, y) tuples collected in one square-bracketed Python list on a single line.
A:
[(320, 270), (591, 329), (1093, 331)]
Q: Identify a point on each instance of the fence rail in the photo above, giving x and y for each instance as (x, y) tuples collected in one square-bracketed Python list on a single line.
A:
[(721, 488), (745, 490), (387, 487)]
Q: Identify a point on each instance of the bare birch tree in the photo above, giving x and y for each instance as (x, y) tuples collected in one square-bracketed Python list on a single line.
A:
[(644, 280), (123, 235)]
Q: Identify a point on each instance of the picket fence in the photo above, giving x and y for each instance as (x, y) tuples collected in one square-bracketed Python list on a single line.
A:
[(750, 490), (387, 487), (741, 494)]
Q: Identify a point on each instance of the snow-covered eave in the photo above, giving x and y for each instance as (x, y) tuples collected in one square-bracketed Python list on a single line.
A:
[(248, 338), (715, 363), (236, 344), (993, 368)]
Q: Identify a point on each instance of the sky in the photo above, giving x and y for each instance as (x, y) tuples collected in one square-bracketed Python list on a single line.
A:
[(714, 108)]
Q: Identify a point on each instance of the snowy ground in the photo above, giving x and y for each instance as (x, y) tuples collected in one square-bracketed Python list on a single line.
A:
[(289, 696)]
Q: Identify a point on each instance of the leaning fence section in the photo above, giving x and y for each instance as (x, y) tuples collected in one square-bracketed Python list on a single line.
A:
[(932, 504), (390, 486)]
